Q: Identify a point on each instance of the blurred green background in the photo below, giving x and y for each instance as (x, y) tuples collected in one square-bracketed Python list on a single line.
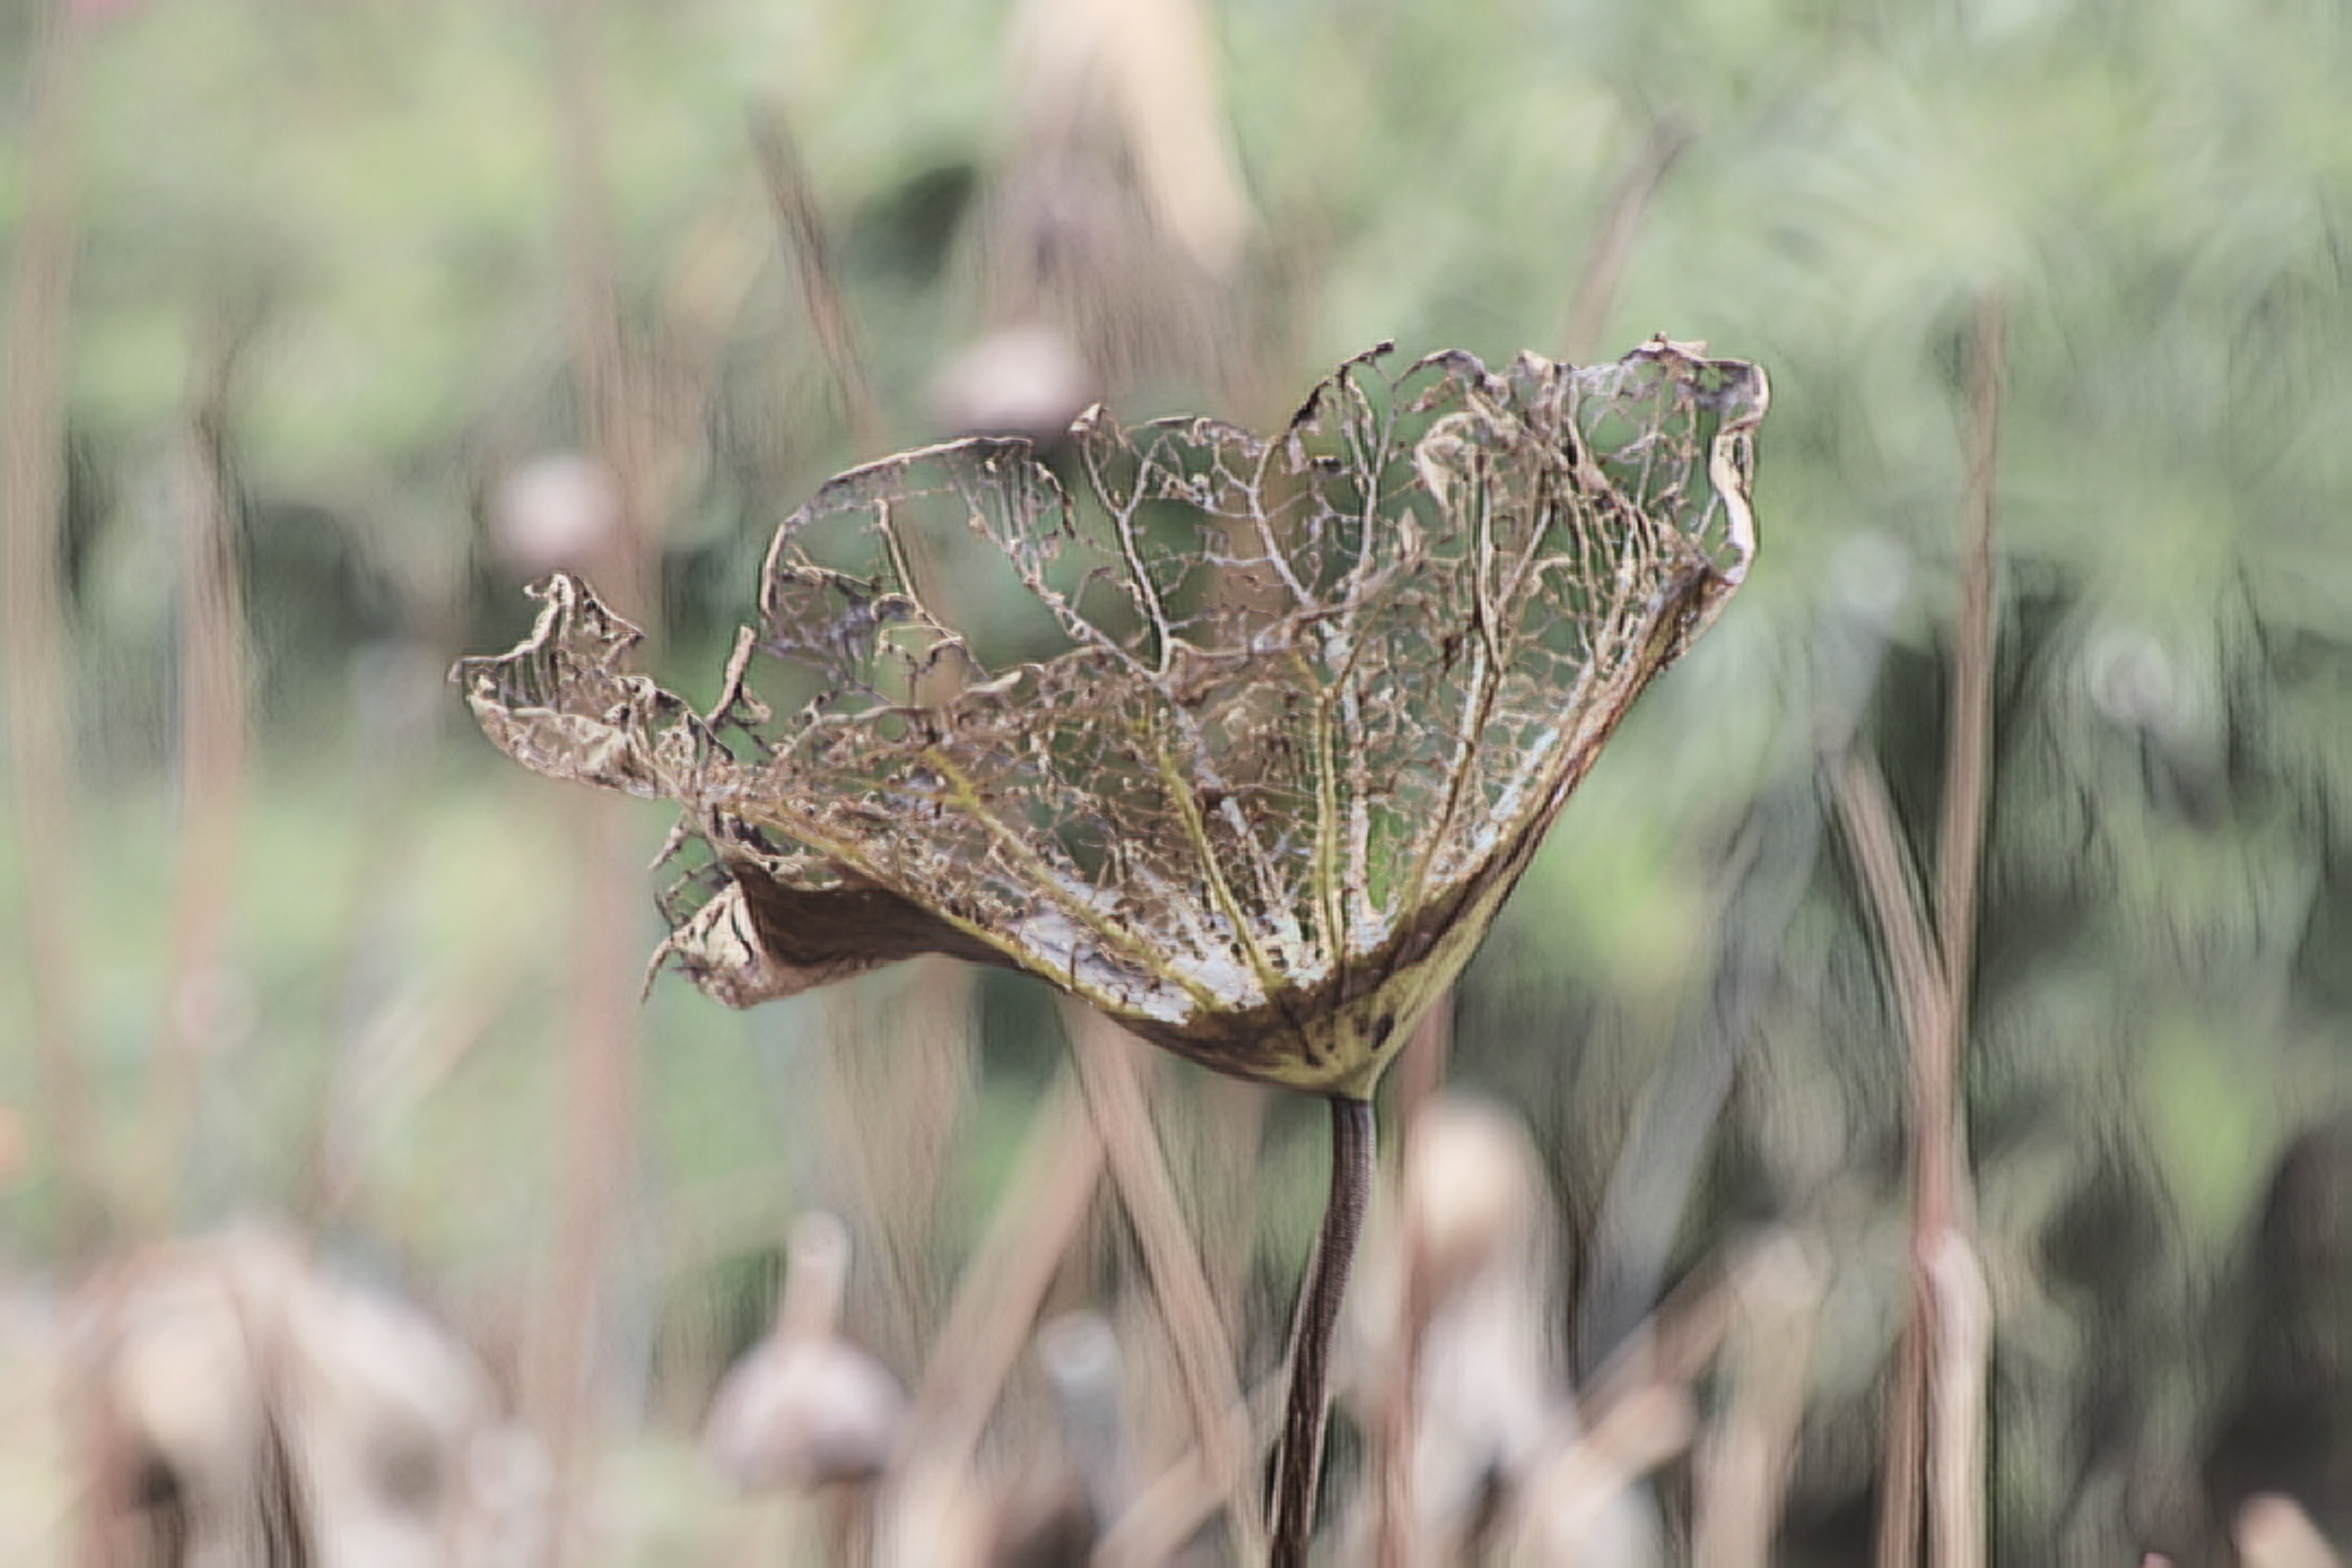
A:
[(328, 276)]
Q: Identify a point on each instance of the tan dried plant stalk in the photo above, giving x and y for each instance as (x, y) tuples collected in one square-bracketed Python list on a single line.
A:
[(1245, 739)]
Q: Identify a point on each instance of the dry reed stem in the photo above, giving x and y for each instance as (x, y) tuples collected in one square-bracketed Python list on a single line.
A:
[(803, 236), (1419, 1074), (597, 1153), (599, 1114), (1890, 886), (1671, 1346), (920, 1084), (1567, 1491), (1230, 1126), (1004, 1287), (98, 1440), (2270, 1530), (602, 374), (1110, 1073), (1928, 1435), (1167, 1510), (847, 1107), (801, 225), (1420, 1071), (1668, 1350), (900, 1057), (35, 651), (1960, 845), (1395, 1430), (1163, 1517), (212, 741), (1959, 1348), (1741, 1471), (1959, 1316), (401, 1055), (1638, 1412), (1673, 1119), (1615, 236)]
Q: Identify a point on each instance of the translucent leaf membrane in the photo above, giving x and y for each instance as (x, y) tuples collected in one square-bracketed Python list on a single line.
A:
[(1240, 740)]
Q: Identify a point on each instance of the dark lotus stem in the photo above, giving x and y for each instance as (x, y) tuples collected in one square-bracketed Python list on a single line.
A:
[(1299, 1462)]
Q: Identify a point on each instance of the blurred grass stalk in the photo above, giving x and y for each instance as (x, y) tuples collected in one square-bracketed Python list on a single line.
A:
[(800, 224), (1615, 235), (1001, 1290), (1740, 1470), (1113, 1077), (1936, 1416), (34, 638), (213, 723), (599, 1124)]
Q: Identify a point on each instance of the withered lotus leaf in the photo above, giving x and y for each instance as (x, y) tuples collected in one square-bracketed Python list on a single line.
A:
[(1241, 740)]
